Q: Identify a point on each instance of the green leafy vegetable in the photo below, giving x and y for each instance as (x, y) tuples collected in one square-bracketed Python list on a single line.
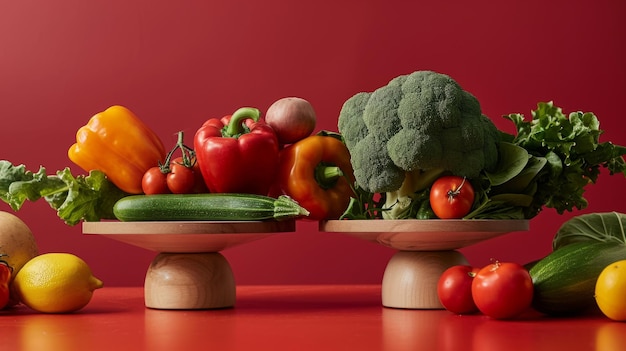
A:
[(365, 205), (508, 190), (89, 198), (603, 227), (572, 152), (512, 161), (547, 163)]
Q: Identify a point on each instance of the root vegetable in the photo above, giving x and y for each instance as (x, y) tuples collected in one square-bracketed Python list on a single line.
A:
[(17, 242), (292, 118)]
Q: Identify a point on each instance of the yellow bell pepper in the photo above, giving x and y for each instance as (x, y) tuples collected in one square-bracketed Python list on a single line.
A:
[(120, 145)]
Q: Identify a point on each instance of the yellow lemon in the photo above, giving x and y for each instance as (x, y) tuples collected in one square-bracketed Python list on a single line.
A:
[(56, 283), (611, 290)]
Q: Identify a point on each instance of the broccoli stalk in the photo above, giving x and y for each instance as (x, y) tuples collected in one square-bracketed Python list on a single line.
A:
[(404, 135), (404, 202)]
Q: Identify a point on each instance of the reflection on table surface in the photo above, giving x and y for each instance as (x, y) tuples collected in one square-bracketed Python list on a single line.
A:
[(312, 317)]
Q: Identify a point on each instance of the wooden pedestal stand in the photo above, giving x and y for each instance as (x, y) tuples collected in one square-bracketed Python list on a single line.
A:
[(188, 272), (426, 248)]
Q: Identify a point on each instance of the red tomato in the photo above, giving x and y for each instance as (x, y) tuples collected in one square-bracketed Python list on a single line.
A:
[(199, 184), (5, 277), (180, 179), (451, 197), (455, 289), (154, 182), (502, 290)]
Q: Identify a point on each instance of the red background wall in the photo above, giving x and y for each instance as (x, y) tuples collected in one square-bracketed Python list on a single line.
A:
[(175, 64)]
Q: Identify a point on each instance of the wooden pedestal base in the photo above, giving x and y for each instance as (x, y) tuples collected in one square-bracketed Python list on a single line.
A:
[(189, 281), (426, 248), (189, 272), (410, 279)]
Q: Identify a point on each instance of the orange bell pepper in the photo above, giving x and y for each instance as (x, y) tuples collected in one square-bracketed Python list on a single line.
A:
[(120, 145), (317, 173)]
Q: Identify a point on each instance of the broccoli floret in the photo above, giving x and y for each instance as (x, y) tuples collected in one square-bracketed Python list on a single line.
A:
[(404, 135)]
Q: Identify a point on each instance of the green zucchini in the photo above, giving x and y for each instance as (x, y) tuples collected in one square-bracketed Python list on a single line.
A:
[(206, 207), (564, 281)]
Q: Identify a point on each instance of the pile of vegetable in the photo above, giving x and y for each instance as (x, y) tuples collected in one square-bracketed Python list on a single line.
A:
[(403, 136), (240, 167), (417, 148), (585, 271)]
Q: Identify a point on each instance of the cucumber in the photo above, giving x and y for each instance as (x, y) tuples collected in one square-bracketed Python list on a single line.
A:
[(564, 281), (206, 207)]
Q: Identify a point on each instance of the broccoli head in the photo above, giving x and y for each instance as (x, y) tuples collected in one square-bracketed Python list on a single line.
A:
[(402, 136)]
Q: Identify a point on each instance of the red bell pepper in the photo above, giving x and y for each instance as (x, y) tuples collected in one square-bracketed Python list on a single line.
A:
[(238, 153)]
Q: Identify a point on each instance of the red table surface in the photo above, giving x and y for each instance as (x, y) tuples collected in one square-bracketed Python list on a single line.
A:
[(312, 317)]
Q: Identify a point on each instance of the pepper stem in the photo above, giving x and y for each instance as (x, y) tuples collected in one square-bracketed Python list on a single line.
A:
[(235, 126), (326, 175)]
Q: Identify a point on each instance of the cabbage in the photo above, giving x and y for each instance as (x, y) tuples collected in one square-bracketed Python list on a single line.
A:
[(601, 227)]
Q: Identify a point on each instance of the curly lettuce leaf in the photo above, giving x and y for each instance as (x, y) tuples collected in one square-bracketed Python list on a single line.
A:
[(88, 198), (570, 144)]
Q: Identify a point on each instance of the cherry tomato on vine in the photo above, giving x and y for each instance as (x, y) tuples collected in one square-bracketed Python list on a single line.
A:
[(199, 184), (154, 181), (454, 289), (502, 290), (180, 179), (451, 197)]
